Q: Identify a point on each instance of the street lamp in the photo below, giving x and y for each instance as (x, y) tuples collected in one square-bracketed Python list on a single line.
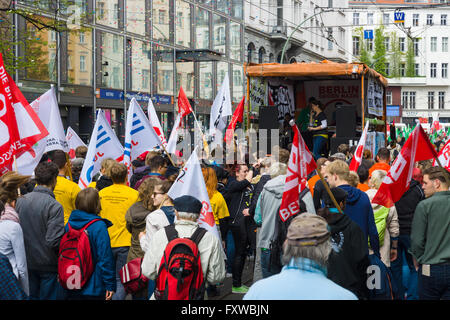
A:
[(296, 28)]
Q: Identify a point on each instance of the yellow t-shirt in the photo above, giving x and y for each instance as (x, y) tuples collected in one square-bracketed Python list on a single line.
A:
[(219, 207), (66, 192), (115, 201), (93, 184)]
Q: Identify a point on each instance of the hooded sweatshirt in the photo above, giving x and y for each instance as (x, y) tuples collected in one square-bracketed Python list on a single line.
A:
[(359, 209), (269, 203), (348, 260), (407, 205)]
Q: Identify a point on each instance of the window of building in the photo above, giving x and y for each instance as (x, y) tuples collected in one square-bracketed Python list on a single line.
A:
[(444, 70), (261, 55), (222, 70), (415, 21), (405, 100), (238, 82), (206, 78), (202, 29), (135, 16), (161, 23), (370, 44), (388, 97), (433, 67), (183, 23), (416, 69), (140, 66), (146, 79), (355, 18), (385, 18), (444, 44), (443, 19), (429, 19), (356, 46), (100, 10), (441, 97), (387, 43), (235, 40), (401, 44), (82, 63), (219, 31), (433, 44), (416, 47), (53, 36), (370, 18), (237, 9), (412, 99), (163, 70), (112, 60), (224, 6), (402, 69), (387, 70), (108, 13), (81, 37), (185, 78), (430, 99)]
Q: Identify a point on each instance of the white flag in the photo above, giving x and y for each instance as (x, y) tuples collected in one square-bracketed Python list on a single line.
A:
[(74, 142), (220, 110), (103, 144), (190, 182), (173, 139), (139, 134), (357, 158), (46, 107), (153, 117)]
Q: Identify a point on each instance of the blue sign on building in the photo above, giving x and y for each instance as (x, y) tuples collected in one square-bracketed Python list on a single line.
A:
[(368, 34), (140, 97), (399, 17)]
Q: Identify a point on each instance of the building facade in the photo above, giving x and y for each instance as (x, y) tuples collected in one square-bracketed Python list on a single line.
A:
[(319, 36), (417, 54), (114, 50)]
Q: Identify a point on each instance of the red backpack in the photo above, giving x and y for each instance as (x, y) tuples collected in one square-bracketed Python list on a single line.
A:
[(180, 274), (75, 263)]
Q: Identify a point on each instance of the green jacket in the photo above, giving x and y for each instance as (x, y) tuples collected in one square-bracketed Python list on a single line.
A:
[(430, 233)]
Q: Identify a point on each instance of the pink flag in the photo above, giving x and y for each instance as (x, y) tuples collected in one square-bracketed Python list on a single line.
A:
[(357, 158), (301, 163)]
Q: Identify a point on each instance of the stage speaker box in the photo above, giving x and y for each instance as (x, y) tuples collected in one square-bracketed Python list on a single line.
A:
[(335, 142), (346, 121), (268, 119)]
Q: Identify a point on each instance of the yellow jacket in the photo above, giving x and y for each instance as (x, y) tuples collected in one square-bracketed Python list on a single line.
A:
[(219, 207), (66, 192), (115, 201)]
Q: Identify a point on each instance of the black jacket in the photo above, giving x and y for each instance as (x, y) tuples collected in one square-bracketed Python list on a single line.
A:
[(103, 182), (349, 258), (138, 174), (407, 205), (238, 198), (257, 191)]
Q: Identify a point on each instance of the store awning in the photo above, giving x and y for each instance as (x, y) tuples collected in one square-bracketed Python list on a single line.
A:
[(326, 70)]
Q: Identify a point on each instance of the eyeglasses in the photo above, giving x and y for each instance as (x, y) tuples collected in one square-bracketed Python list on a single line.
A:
[(155, 193)]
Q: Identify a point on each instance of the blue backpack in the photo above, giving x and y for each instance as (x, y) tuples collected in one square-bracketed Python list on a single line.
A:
[(388, 290)]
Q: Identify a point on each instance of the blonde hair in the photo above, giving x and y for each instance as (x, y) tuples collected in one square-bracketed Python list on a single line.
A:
[(377, 178), (353, 179), (9, 183), (106, 165), (339, 168), (277, 169)]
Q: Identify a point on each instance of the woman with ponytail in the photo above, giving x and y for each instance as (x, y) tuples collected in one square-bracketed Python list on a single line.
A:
[(11, 235)]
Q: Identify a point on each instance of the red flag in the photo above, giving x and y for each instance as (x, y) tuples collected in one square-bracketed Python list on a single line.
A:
[(184, 107), (301, 163), (16, 137), (444, 156), (417, 148), (357, 158), (238, 116)]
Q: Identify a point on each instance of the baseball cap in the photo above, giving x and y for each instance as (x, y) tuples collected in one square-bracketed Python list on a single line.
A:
[(307, 229)]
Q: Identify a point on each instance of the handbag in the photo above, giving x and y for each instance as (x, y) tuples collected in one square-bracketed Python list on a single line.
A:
[(131, 276)]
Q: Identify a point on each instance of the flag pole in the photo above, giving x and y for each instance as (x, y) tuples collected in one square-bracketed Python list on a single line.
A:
[(168, 154)]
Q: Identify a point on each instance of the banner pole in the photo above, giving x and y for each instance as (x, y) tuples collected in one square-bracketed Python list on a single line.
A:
[(170, 158)]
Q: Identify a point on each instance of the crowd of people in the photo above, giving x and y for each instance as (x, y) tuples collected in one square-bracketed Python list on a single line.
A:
[(325, 252)]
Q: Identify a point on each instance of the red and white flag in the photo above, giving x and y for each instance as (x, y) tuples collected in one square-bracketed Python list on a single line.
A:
[(20, 126), (190, 182), (173, 139), (238, 116), (417, 148), (357, 158), (74, 142), (301, 163), (184, 107), (154, 121), (444, 156)]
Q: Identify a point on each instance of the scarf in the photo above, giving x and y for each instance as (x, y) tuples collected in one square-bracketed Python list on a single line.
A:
[(9, 214)]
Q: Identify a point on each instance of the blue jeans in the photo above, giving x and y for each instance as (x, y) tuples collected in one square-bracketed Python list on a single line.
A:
[(319, 144), (404, 258), (45, 286), (120, 256), (265, 264), (230, 251), (437, 285)]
